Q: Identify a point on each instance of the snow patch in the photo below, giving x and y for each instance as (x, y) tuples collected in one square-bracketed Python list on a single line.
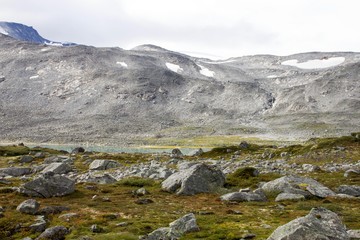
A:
[(315, 63), (2, 31), (219, 62), (174, 67), (206, 72), (272, 76), (123, 64), (34, 77)]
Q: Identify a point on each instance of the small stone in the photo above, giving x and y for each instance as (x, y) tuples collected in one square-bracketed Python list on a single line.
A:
[(249, 236), (235, 212), (30, 206), (96, 229), (122, 224), (144, 201)]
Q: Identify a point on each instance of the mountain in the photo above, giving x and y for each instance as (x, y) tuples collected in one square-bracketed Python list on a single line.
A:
[(26, 33), (117, 97)]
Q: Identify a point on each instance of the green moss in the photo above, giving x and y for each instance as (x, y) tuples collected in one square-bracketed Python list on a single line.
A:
[(136, 182)]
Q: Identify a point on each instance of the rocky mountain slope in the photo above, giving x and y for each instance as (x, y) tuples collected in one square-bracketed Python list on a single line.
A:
[(115, 96), (26, 33)]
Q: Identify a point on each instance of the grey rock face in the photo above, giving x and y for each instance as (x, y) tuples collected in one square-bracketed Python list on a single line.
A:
[(297, 185), (48, 186), (199, 178), (256, 196), (289, 197), (352, 190), (30, 206), (59, 159), (15, 171), (319, 224), (103, 164), (54, 233), (176, 229), (57, 168), (39, 225)]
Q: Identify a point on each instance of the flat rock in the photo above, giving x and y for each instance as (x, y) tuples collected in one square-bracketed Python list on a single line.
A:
[(319, 224), (256, 196), (353, 190), (15, 171), (57, 168)]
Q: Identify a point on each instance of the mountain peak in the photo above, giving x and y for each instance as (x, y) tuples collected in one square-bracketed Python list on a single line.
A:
[(26, 33)]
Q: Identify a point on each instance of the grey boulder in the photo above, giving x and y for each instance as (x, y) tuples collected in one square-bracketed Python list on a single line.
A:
[(30, 206), (54, 233), (352, 190), (200, 178), (48, 185), (289, 197), (297, 185), (319, 224), (256, 196), (176, 229), (26, 159), (103, 164), (15, 171), (57, 168)]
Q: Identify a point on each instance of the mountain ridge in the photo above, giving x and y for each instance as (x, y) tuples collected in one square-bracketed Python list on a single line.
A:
[(120, 97)]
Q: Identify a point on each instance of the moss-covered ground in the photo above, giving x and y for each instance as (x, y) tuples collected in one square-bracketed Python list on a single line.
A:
[(115, 203)]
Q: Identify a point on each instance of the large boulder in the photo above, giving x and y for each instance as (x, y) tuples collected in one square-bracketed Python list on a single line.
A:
[(15, 171), (176, 229), (26, 159), (103, 164), (200, 178), (297, 185), (319, 224), (54, 233), (99, 178), (48, 185), (30, 206), (57, 168)]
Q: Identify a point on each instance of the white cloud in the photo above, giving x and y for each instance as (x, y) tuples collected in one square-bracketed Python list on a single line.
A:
[(218, 27)]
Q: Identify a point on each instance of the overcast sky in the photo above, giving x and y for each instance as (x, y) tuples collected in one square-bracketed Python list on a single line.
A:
[(219, 28)]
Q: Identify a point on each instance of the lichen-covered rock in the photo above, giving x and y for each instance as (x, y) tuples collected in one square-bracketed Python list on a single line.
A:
[(48, 185), (176, 229), (54, 233), (289, 197), (30, 206), (297, 185), (200, 178), (256, 196), (103, 164), (352, 190), (319, 224), (15, 171), (57, 168)]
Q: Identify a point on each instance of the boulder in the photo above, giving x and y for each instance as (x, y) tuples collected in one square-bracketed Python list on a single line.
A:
[(200, 178), (310, 168), (54, 233), (297, 185), (196, 152), (59, 159), (352, 190), (30, 206), (48, 185), (319, 224), (57, 168), (39, 225), (99, 178), (15, 171), (26, 159), (244, 145), (289, 197), (256, 196), (352, 173), (78, 150), (100, 164), (176, 229), (176, 153)]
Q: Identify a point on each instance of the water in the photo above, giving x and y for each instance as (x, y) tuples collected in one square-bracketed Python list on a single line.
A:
[(110, 149)]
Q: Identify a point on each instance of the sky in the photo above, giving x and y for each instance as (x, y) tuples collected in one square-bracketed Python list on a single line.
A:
[(214, 28)]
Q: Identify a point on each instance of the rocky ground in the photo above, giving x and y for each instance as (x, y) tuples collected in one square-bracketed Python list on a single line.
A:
[(247, 191)]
